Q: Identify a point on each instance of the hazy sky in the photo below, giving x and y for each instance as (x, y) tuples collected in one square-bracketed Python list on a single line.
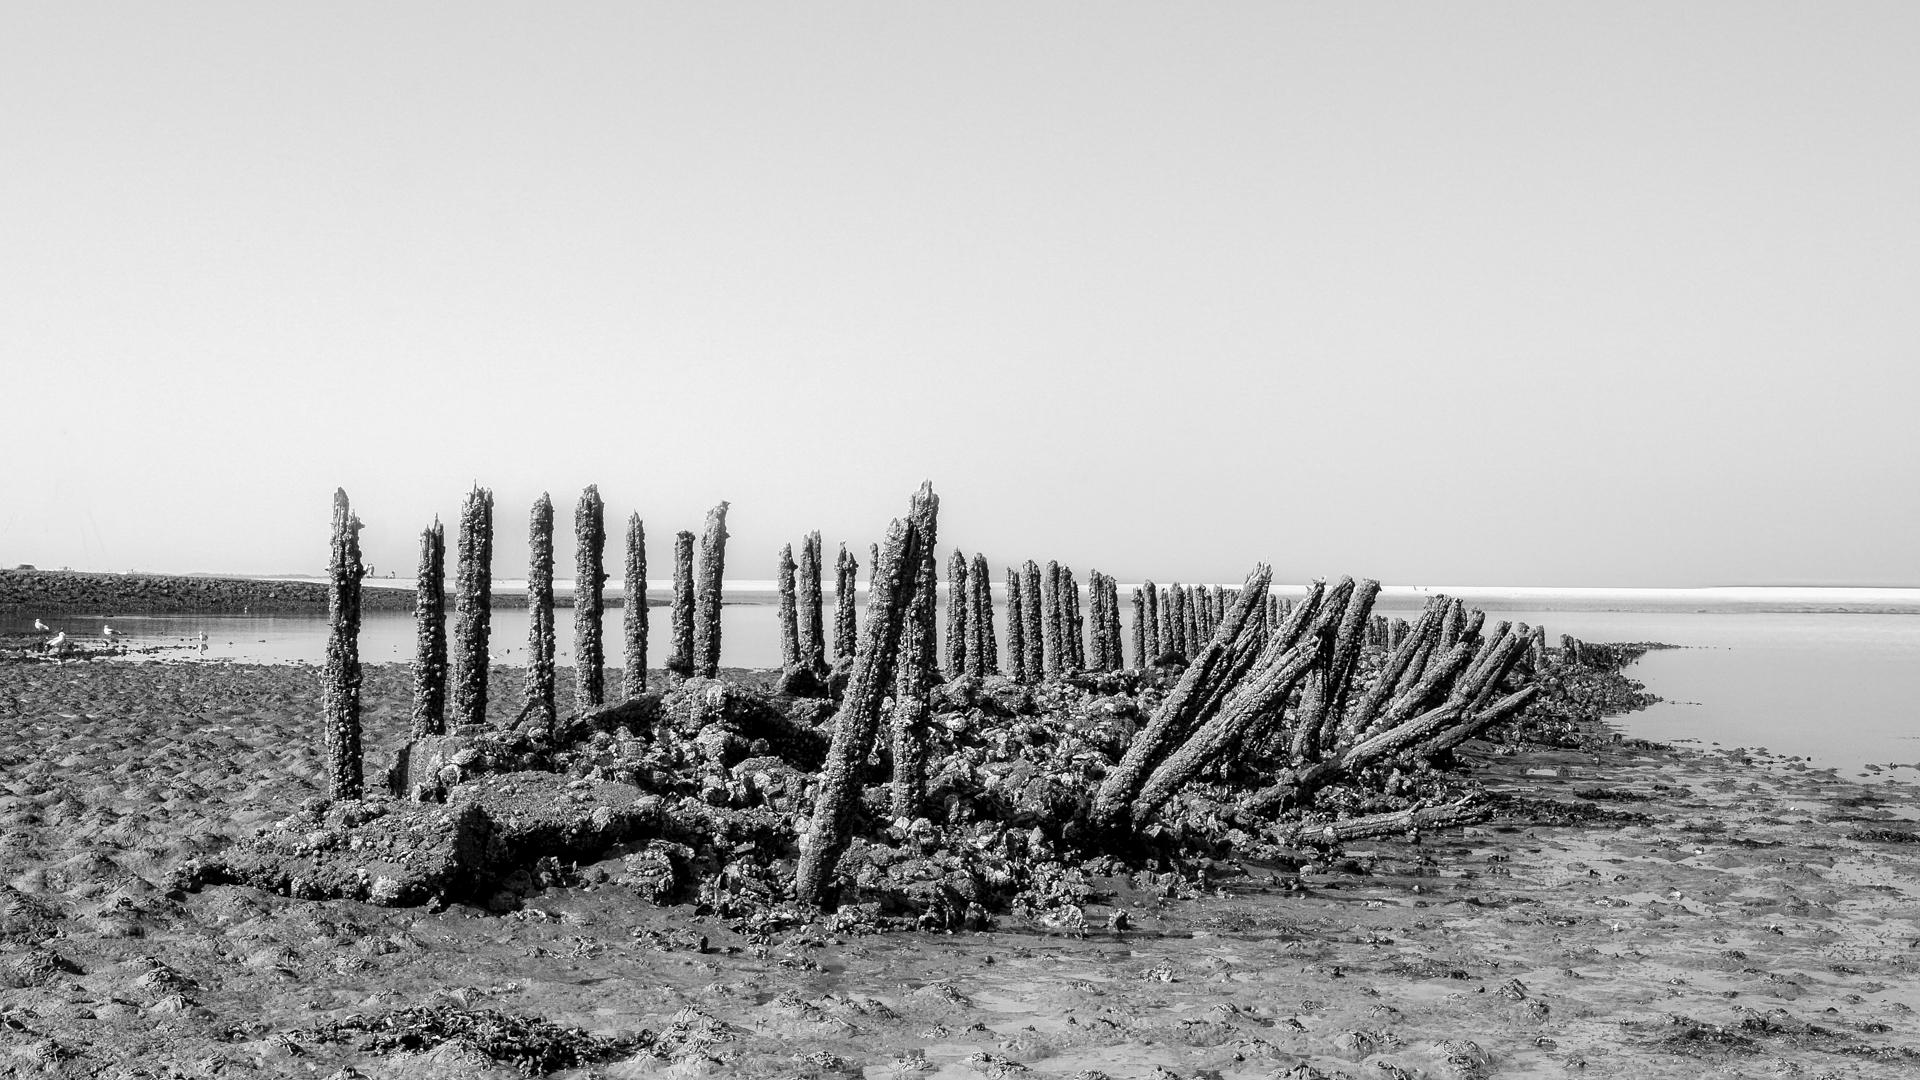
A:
[(1550, 294)]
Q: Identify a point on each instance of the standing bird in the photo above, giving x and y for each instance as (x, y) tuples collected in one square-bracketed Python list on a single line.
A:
[(40, 626), (59, 643), (110, 633)]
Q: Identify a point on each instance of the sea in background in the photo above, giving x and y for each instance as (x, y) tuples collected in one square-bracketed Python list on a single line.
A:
[(1830, 675)]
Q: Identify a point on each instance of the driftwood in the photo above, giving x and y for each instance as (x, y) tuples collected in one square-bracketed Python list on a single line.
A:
[(340, 678), (1413, 820), (827, 831), (539, 680), (430, 628), (472, 608), (633, 623), (681, 660)]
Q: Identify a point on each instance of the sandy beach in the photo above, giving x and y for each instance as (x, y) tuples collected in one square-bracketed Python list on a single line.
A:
[(1630, 910)]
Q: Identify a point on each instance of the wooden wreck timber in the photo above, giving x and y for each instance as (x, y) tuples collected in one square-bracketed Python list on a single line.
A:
[(812, 628), (340, 679), (634, 612), (589, 583), (983, 652), (1016, 628), (917, 671), (846, 627), (706, 612), (956, 654), (541, 674), (789, 610), (681, 660), (472, 610), (429, 715)]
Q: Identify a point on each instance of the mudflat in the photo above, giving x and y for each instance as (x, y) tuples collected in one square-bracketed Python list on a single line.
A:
[(1629, 910)]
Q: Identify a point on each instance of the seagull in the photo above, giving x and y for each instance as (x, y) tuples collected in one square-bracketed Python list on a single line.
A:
[(59, 642), (110, 633), (40, 626)]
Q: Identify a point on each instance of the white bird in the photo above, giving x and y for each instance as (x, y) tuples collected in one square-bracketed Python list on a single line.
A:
[(59, 642), (40, 626), (110, 633)]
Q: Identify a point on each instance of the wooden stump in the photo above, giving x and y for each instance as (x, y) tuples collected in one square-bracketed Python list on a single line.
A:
[(917, 671), (634, 614), (813, 628), (473, 608), (706, 608), (1055, 639), (539, 679), (956, 614), (1016, 628), (1033, 621), (983, 652), (789, 615), (340, 678), (589, 601), (846, 582), (430, 629)]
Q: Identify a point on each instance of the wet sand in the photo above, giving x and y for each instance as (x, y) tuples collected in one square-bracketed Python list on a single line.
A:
[(1636, 911)]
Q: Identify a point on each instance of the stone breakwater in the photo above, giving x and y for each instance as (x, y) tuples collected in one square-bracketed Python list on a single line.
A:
[(40, 591)]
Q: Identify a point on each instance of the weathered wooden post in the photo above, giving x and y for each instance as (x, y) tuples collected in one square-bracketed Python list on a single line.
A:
[(706, 611), (1173, 605), (1054, 642), (681, 662), (918, 670), (813, 628), (1096, 622), (589, 600), (826, 833), (340, 688), (1016, 628), (1197, 636), (540, 674), (1032, 620), (1150, 644), (1139, 626), (1113, 623), (473, 608), (634, 613), (846, 581), (957, 614), (1073, 624), (983, 652), (789, 616), (430, 625)]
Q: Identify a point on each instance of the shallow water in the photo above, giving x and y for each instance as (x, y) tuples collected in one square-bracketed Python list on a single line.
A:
[(1842, 690)]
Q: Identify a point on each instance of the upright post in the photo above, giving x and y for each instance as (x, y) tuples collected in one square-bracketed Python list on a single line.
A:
[(473, 608), (633, 621), (1032, 620), (1054, 641), (589, 600), (1016, 628), (956, 614), (340, 688), (813, 628), (430, 626), (918, 670), (540, 673), (789, 617), (846, 581), (980, 640), (681, 662), (706, 612)]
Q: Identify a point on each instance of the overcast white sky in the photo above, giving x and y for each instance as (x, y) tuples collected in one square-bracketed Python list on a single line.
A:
[(1567, 294)]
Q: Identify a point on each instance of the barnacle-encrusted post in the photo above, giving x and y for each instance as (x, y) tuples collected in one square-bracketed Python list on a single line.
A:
[(957, 614), (681, 662), (1033, 620), (826, 833), (918, 670), (1139, 626), (340, 686), (983, 652), (1073, 623), (846, 580), (1175, 608), (1151, 645), (540, 674), (813, 627), (634, 614), (789, 616), (706, 611), (1051, 616), (473, 608), (1016, 628), (430, 628), (589, 600)]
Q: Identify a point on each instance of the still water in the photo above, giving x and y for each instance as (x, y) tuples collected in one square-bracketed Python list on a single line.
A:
[(1840, 689)]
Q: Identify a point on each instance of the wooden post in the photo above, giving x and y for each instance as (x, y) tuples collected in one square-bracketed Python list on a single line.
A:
[(473, 608), (813, 628), (827, 831), (789, 616), (1016, 628), (846, 582), (430, 627), (706, 611), (589, 600), (1140, 627), (681, 662), (1119, 657), (1033, 621), (634, 614), (917, 671), (1152, 646), (340, 686), (956, 614), (983, 651), (1054, 641), (540, 674)]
